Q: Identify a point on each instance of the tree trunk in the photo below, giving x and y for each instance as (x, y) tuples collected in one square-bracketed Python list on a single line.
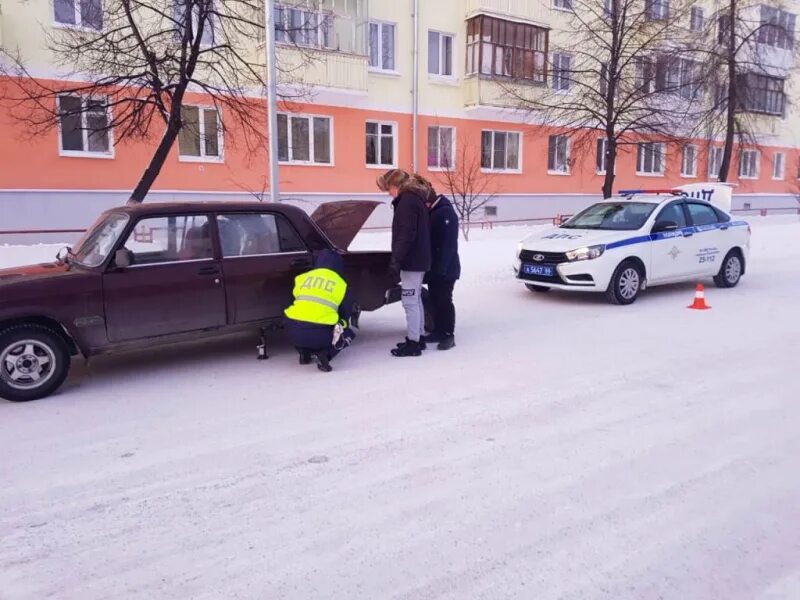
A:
[(730, 109), (611, 162), (154, 168)]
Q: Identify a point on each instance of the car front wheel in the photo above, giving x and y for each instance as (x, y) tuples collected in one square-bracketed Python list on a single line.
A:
[(731, 270), (34, 361), (625, 284)]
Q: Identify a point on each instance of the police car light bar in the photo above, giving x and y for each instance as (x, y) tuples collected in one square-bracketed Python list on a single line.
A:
[(659, 191)]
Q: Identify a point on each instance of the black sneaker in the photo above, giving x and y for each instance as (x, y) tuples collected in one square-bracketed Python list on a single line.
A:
[(422, 344), (409, 348), (305, 357), (447, 342), (323, 364)]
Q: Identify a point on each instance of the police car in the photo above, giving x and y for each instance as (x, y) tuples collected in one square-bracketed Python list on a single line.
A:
[(641, 238)]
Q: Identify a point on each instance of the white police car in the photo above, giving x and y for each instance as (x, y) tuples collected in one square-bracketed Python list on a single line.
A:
[(621, 245)]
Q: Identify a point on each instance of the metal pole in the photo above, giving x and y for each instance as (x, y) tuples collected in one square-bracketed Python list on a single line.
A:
[(415, 90), (272, 99)]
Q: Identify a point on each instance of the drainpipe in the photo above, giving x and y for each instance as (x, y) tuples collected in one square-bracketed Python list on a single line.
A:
[(272, 99), (415, 90)]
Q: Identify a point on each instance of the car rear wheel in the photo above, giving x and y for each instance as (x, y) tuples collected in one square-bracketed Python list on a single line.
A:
[(625, 284), (34, 361), (537, 288), (730, 272)]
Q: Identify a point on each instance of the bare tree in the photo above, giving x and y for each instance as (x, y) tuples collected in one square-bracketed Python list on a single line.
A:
[(132, 63), (747, 49), (621, 75), (463, 178)]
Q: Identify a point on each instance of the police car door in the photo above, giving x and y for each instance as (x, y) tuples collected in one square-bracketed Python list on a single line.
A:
[(706, 250), (672, 249)]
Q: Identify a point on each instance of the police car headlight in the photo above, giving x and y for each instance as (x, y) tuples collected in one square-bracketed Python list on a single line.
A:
[(587, 253)]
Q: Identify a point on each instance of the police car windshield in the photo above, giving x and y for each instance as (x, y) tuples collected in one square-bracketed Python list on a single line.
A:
[(613, 216)]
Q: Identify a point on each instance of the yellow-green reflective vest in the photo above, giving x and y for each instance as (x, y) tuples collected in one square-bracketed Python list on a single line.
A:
[(317, 296)]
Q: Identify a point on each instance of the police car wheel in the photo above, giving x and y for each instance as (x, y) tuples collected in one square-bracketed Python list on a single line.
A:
[(537, 288), (625, 284), (731, 270)]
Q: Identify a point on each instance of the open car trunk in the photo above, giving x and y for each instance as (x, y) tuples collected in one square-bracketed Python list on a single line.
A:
[(341, 221)]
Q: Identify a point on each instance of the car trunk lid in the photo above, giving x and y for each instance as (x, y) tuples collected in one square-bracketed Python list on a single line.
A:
[(341, 221)]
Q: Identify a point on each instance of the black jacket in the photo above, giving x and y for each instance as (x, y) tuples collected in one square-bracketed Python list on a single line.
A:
[(411, 233), (444, 241)]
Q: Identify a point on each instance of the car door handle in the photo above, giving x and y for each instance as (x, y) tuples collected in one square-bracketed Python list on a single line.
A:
[(208, 271), (301, 263)]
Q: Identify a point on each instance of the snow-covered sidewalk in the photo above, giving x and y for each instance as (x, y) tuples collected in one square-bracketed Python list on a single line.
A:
[(565, 449)]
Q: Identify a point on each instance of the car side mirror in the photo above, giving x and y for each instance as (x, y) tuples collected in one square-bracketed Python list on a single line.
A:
[(664, 226), (63, 255), (123, 258)]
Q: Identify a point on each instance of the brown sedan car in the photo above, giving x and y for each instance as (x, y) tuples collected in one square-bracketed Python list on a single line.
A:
[(163, 273)]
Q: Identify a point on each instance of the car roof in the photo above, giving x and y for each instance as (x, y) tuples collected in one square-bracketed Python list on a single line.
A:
[(171, 208)]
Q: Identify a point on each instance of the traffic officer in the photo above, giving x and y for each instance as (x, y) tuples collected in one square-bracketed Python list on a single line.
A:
[(318, 322)]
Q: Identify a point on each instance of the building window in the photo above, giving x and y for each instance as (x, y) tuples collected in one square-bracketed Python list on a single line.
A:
[(84, 126), (650, 158), (201, 135), (657, 10), (644, 74), (777, 28), (440, 54), (603, 80), (500, 150), (81, 13), (303, 27), (697, 19), (381, 46), (761, 94), (489, 211), (689, 161), (440, 147), (562, 4), (305, 140), (679, 76), (778, 165), (558, 154), (562, 71), (715, 154), (723, 29), (380, 144), (506, 49), (601, 160), (748, 164), (179, 15)]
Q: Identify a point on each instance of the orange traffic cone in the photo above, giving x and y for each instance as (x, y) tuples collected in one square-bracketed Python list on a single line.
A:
[(699, 299)]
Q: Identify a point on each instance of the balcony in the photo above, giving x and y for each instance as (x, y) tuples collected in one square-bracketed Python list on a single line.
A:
[(485, 92), (310, 68), (530, 11)]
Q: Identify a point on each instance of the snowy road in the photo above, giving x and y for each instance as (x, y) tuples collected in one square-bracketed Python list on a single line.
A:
[(566, 449)]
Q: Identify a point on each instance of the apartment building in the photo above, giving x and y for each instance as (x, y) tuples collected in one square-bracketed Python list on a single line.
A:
[(378, 85)]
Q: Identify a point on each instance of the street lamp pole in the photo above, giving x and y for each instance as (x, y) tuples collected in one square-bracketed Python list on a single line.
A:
[(272, 99)]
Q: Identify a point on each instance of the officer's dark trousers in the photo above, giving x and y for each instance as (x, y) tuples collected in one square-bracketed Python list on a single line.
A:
[(440, 292)]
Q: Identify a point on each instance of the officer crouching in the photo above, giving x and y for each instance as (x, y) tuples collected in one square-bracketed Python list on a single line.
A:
[(318, 322)]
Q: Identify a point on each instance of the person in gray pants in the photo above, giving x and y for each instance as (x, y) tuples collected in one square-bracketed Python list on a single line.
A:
[(411, 252)]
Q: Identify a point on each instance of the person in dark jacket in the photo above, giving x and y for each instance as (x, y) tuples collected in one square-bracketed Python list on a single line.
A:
[(318, 321), (445, 268), (411, 251)]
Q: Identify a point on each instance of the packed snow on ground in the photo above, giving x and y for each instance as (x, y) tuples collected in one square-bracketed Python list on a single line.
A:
[(565, 449)]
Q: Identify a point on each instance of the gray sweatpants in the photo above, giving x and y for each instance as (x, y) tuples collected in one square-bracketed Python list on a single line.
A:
[(411, 282)]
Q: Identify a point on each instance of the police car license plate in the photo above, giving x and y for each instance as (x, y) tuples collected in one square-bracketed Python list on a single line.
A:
[(541, 270)]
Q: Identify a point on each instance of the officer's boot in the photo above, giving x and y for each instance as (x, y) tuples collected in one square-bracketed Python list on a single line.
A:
[(323, 362)]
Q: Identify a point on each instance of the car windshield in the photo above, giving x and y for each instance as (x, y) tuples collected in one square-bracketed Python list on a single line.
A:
[(613, 216), (94, 247)]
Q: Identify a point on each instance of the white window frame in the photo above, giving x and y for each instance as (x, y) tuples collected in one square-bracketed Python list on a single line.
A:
[(757, 164), (439, 169), (203, 158), (782, 173), (380, 165), (604, 142), (693, 20), (311, 149), (78, 24), (85, 132), (693, 173), (493, 169), (562, 5), (558, 57), (439, 75), (568, 153), (639, 159), (286, 17), (379, 68), (713, 167)]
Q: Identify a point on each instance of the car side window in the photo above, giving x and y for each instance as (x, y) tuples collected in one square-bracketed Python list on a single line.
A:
[(253, 234), (673, 212), (702, 214), (170, 239)]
